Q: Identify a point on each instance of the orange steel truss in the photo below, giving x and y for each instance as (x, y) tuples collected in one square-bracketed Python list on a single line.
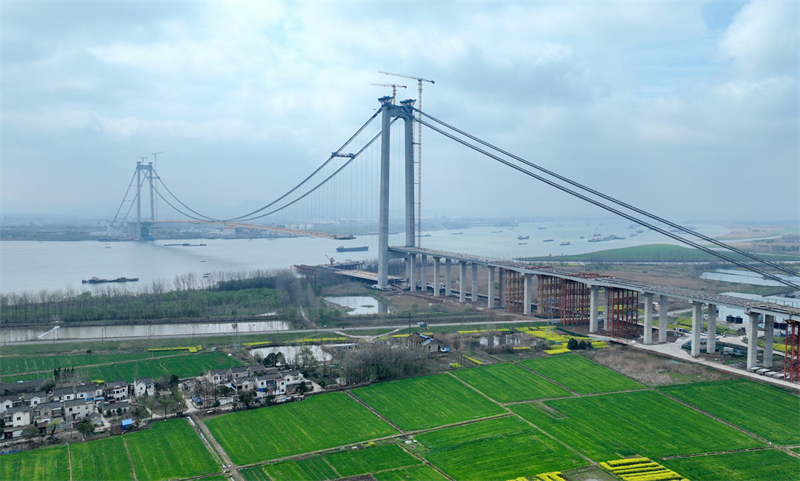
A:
[(574, 303), (515, 291), (548, 297), (791, 361), (622, 306)]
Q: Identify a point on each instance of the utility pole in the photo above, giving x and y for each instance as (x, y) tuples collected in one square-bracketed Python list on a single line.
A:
[(419, 151)]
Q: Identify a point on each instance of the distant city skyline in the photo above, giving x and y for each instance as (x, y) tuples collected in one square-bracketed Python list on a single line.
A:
[(684, 108)]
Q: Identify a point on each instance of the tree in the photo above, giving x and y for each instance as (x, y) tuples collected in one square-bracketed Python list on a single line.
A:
[(582, 344), (305, 358), (52, 426), (174, 380), (246, 398), (572, 344), (302, 388), (84, 427), (30, 432), (269, 361)]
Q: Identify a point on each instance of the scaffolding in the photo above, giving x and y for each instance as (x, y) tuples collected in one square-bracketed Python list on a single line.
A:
[(515, 291), (791, 361), (548, 290), (622, 312), (574, 303)]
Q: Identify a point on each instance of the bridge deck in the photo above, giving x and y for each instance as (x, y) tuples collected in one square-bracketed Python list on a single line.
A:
[(761, 307)]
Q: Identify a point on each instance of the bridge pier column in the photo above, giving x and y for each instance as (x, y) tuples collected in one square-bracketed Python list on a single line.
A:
[(663, 303), (423, 273), (462, 281), (410, 273), (383, 212), (752, 340), (474, 282), (648, 318), (448, 278), (711, 343), (697, 327), (769, 336), (502, 275), (436, 291), (526, 309), (490, 286), (594, 298)]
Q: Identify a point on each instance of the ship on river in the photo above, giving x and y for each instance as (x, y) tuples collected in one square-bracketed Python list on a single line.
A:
[(97, 280), (352, 249)]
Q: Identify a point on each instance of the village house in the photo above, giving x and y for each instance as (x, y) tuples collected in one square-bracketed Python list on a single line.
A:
[(46, 412), (33, 399), (7, 403), (116, 391), (77, 409), (217, 376), (88, 392), (22, 386), (238, 372), (64, 394), (145, 385), (18, 417)]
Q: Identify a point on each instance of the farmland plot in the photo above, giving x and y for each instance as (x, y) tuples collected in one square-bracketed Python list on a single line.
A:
[(319, 422), (46, 464), (460, 434), (752, 402), (311, 469), (644, 423), (509, 382), (102, 460), (23, 364), (182, 366), (362, 461), (414, 473), (581, 375), (426, 402), (478, 453), (746, 466), (169, 449)]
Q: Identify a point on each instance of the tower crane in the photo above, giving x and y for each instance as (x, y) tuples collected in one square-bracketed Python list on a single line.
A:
[(418, 219), (394, 89)]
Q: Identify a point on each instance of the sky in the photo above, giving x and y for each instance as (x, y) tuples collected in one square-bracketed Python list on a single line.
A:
[(688, 109)]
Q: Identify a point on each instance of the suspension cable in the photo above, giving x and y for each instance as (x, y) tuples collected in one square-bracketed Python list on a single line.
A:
[(615, 201), (130, 207), (609, 208), (123, 199)]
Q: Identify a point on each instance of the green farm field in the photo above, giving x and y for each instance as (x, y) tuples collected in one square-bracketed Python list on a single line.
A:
[(414, 473), (311, 469), (426, 402), (581, 375), (24, 364), (167, 450), (103, 460), (751, 411), (378, 458), (766, 464), (510, 382), (476, 453), (318, 422), (45, 464), (645, 423)]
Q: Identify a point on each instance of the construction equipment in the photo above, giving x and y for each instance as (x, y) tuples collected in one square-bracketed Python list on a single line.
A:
[(394, 89), (330, 259), (418, 219)]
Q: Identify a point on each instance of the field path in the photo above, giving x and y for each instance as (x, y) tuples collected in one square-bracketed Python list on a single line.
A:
[(427, 463), (732, 451), (359, 401), (130, 460), (206, 434), (547, 379), (69, 461), (742, 430)]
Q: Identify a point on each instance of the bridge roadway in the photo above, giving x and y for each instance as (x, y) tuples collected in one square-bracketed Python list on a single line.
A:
[(419, 257)]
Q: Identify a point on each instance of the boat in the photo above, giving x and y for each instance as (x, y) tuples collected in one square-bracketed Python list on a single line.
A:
[(541, 227), (548, 240), (457, 233), (583, 237), (522, 243), (595, 239), (426, 235), (352, 249), (97, 280), (565, 243), (185, 244), (523, 237), (496, 231)]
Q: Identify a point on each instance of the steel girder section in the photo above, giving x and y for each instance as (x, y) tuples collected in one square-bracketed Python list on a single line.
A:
[(548, 300), (574, 303), (515, 291), (791, 361), (623, 312)]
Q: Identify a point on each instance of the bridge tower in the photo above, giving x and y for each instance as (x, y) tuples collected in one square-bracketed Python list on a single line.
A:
[(149, 173), (390, 111)]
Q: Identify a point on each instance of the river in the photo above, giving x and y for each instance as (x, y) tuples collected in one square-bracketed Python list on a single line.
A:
[(32, 266)]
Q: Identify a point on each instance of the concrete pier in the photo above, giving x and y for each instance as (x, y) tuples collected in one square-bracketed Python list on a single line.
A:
[(711, 343), (411, 272), (423, 273), (697, 327), (448, 277), (462, 281), (502, 275), (490, 288), (662, 318), (383, 210), (526, 309), (594, 298), (769, 339), (474, 282), (752, 340), (648, 318), (435, 277)]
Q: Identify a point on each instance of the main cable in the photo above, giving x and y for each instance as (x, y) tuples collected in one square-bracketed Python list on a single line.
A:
[(609, 208), (123, 199), (612, 199)]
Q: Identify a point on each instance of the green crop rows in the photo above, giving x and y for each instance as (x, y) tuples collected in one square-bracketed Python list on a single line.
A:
[(380, 458), (318, 422), (751, 409), (23, 364), (311, 469), (426, 402), (414, 473), (644, 423), (167, 450), (509, 382), (45, 464), (581, 375), (477, 453), (748, 466)]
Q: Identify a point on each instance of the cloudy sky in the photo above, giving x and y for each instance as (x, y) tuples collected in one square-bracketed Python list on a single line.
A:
[(689, 109)]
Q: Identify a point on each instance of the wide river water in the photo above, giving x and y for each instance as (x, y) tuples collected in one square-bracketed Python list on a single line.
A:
[(32, 266)]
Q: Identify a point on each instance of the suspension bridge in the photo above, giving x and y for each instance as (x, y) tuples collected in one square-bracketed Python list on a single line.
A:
[(338, 199)]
